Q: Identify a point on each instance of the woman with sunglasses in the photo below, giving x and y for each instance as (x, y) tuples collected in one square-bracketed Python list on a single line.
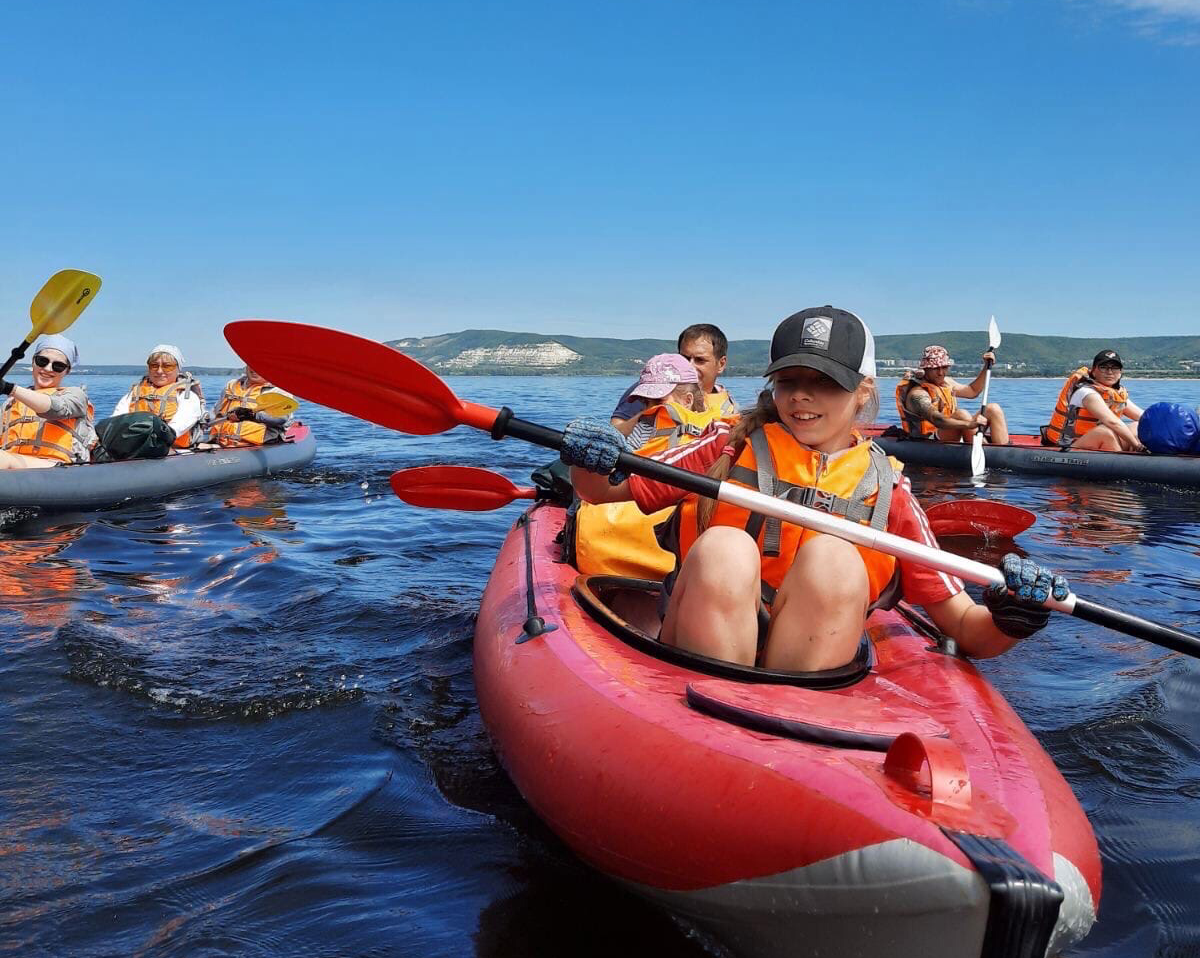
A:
[(170, 393), (1090, 407), (48, 423)]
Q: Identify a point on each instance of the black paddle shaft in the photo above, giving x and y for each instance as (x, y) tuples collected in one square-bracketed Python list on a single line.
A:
[(508, 425), (16, 354), (1163, 635)]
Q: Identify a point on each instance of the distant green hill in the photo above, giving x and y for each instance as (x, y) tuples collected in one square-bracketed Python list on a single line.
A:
[(494, 352)]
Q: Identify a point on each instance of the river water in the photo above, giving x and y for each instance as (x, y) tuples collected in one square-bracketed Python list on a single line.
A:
[(242, 721)]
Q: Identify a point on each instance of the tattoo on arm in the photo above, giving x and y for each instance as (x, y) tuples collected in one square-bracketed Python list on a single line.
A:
[(922, 404)]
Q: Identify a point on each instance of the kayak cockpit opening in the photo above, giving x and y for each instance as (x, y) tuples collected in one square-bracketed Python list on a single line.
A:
[(628, 608)]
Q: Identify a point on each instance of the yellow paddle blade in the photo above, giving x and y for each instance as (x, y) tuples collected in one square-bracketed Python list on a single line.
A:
[(277, 404), (66, 294)]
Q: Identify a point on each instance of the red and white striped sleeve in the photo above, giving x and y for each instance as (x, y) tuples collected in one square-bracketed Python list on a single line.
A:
[(694, 456), (922, 585)]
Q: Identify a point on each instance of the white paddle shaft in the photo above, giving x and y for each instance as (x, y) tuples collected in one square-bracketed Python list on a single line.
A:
[(869, 538)]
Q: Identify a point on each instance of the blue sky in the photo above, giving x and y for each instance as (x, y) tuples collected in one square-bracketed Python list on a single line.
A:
[(605, 168)]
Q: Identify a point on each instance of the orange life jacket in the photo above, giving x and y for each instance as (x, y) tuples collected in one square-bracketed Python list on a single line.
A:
[(943, 401), (856, 484), (163, 401), (673, 424), (28, 434), (617, 538), (1069, 422), (249, 433), (721, 403)]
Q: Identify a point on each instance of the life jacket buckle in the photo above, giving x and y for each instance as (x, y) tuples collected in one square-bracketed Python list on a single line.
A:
[(823, 500), (812, 498)]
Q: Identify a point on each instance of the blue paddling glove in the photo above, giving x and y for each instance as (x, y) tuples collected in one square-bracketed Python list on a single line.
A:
[(593, 445), (1019, 613)]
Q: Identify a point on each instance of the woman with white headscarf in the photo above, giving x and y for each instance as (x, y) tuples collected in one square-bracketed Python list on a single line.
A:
[(170, 393), (49, 423)]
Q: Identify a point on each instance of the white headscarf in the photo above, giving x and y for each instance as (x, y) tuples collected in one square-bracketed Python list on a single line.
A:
[(172, 351)]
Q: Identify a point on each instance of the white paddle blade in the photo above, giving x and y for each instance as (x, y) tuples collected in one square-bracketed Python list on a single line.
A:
[(978, 462), (993, 334)]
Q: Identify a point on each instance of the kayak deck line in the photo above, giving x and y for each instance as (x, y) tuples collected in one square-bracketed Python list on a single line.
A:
[(765, 839), (97, 485)]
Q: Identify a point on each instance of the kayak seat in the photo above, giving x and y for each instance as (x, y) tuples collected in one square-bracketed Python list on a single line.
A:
[(843, 721), (628, 608)]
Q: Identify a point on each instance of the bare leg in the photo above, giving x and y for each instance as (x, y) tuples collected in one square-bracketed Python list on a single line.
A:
[(14, 460), (714, 606), (997, 423), (1099, 437), (817, 617), (948, 434)]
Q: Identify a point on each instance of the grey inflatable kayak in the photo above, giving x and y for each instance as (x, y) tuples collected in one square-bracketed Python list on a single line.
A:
[(1027, 454), (94, 486)]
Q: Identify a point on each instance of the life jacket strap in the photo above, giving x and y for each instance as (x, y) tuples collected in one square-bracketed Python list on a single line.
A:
[(879, 475)]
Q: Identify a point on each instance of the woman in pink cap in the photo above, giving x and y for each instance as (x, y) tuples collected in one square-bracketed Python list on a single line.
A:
[(927, 402)]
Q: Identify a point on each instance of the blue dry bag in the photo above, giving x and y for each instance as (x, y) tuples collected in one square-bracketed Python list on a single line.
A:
[(1169, 428)]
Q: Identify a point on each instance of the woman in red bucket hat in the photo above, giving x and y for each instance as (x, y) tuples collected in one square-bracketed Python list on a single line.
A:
[(927, 401)]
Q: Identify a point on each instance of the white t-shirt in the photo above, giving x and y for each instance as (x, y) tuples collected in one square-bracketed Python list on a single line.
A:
[(1080, 394)]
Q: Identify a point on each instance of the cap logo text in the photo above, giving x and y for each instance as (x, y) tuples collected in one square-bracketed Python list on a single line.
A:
[(816, 333)]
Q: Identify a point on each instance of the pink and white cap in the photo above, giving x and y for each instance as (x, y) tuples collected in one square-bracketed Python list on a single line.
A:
[(662, 373)]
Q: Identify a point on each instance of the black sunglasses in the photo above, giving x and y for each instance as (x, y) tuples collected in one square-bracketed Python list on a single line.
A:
[(56, 365)]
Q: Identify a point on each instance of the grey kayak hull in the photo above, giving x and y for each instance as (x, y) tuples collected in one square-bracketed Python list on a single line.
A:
[(1027, 454), (94, 485)]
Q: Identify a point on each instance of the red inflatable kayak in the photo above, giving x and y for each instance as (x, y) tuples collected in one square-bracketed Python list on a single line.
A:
[(895, 807)]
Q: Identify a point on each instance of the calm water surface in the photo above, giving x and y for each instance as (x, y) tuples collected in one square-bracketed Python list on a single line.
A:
[(242, 721)]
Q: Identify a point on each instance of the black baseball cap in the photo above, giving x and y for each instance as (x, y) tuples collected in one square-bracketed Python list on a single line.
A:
[(1107, 356), (829, 340)]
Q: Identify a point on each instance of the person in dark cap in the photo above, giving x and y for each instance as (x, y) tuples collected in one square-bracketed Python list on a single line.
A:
[(1090, 408), (755, 591)]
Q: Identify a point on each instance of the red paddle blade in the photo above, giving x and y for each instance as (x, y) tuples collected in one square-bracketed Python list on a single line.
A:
[(456, 487), (353, 375), (975, 517)]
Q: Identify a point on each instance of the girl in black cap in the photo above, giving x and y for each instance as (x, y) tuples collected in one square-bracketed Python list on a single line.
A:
[(756, 591), (1088, 412)]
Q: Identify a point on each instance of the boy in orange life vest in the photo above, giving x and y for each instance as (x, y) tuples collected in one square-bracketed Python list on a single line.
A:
[(170, 393), (820, 587), (1089, 409), (705, 347), (51, 423), (928, 402), (238, 422)]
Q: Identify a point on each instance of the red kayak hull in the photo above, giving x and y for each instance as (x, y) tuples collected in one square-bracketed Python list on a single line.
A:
[(759, 836)]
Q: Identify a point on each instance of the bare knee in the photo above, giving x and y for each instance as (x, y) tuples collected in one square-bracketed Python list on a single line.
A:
[(714, 605), (830, 570), (725, 559)]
